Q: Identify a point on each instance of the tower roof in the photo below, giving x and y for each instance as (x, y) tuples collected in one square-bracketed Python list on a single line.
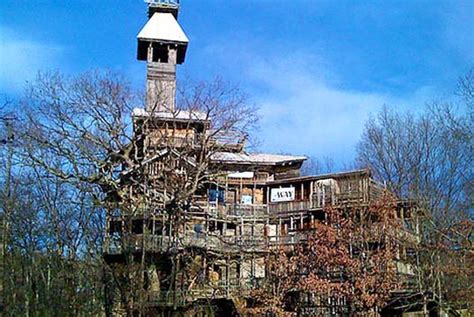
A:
[(163, 27), (255, 158)]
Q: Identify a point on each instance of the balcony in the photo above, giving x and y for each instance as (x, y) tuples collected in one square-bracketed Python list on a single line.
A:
[(348, 193), (155, 243), (288, 240), (290, 206), (251, 211), (234, 210), (258, 178), (207, 291), (174, 141)]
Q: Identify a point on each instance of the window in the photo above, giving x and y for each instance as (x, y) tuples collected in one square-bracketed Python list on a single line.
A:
[(160, 53), (217, 195)]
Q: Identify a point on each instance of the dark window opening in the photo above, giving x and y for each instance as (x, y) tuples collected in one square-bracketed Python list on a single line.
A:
[(115, 226), (137, 226), (216, 226), (212, 226), (160, 53), (216, 195)]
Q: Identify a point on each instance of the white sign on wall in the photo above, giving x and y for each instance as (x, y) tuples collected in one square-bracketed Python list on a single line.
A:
[(282, 194), (241, 175)]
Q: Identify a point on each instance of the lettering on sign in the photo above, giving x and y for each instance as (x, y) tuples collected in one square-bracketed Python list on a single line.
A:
[(282, 194)]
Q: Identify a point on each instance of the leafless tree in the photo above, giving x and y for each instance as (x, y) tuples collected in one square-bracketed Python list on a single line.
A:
[(50, 238), (428, 158), (466, 89), (342, 265), (95, 156), (314, 166)]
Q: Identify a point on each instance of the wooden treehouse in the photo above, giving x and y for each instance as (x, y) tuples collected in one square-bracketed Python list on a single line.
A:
[(246, 205)]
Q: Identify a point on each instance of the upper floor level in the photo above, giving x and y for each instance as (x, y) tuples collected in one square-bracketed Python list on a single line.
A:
[(264, 193)]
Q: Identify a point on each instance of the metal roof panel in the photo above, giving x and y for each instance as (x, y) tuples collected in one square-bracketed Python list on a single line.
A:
[(163, 27)]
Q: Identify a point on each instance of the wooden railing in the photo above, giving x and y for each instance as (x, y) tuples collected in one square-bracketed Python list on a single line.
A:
[(176, 141), (259, 178), (366, 191), (156, 243), (290, 239), (290, 206), (210, 290), (240, 210), (375, 190), (235, 210)]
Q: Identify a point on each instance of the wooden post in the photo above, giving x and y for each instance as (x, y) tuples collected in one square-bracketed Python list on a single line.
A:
[(225, 194), (241, 190), (278, 229), (265, 236), (324, 195), (253, 201), (170, 228), (268, 198), (333, 194), (227, 277), (162, 222), (150, 52), (318, 191), (239, 273), (107, 234), (153, 225)]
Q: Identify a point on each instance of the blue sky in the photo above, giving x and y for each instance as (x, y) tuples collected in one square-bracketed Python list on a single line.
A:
[(316, 68)]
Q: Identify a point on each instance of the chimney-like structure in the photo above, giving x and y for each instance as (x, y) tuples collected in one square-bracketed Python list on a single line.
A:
[(162, 44)]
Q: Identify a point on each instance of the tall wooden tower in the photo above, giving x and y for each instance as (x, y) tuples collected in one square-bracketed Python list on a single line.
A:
[(162, 44)]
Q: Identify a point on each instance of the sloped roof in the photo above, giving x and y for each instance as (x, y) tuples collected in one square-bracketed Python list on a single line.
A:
[(163, 27), (175, 115), (255, 158), (351, 173)]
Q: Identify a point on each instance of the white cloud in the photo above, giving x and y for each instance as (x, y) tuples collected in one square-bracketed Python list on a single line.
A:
[(21, 58), (305, 110), (305, 114)]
